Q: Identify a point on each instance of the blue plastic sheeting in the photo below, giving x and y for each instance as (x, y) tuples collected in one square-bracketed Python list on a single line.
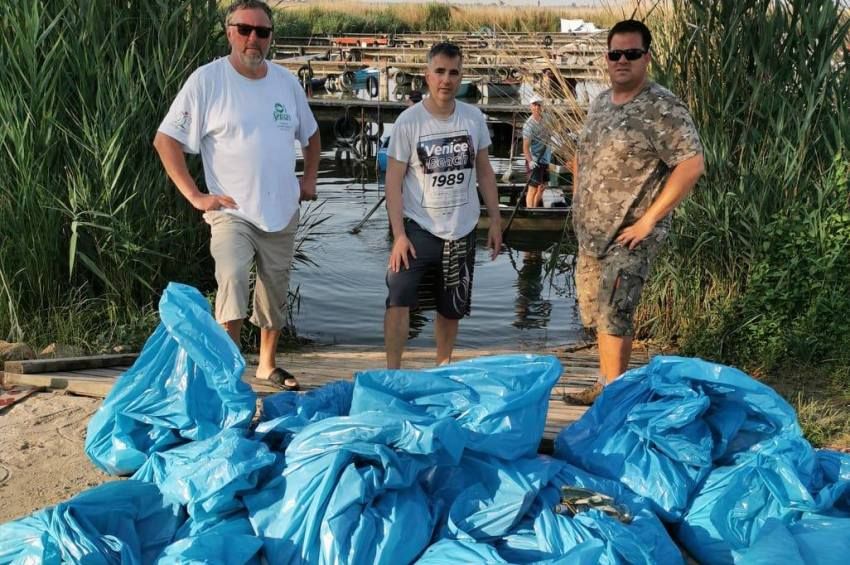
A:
[(823, 540), (349, 492), (120, 522), (231, 541), (209, 476), (785, 480), (452, 552), (662, 428), (186, 385), (503, 511), (287, 413), (500, 402)]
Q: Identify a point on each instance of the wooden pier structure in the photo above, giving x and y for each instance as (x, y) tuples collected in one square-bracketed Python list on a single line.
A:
[(315, 367)]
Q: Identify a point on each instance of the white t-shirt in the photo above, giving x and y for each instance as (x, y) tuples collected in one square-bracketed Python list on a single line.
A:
[(245, 130), (440, 187)]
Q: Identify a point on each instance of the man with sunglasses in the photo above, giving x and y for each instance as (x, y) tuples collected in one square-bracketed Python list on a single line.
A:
[(438, 161), (638, 157), (244, 116)]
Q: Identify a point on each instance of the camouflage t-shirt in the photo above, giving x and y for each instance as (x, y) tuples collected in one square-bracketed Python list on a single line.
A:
[(625, 154)]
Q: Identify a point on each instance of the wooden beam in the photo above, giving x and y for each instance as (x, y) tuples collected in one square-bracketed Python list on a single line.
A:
[(69, 363)]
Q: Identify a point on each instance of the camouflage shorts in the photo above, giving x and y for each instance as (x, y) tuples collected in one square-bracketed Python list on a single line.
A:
[(609, 287)]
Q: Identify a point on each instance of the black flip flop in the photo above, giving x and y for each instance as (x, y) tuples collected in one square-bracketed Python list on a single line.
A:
[(279, 378)]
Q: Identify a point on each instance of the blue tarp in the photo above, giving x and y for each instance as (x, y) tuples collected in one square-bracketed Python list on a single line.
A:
[(119, 522), (186, 385), (662, 428), (504, 511), (437, 465), (785, 480), (209, 476), (500, 402), (287, 413)]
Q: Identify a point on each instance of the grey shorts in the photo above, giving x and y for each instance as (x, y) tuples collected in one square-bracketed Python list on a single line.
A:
[(609, 288), (422, 285), (237, 244)]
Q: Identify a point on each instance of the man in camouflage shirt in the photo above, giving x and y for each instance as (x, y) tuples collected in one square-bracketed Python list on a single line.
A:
[(638, 156)]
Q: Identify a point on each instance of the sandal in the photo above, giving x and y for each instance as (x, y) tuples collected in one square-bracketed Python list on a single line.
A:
[(585, 397), (283, 379)]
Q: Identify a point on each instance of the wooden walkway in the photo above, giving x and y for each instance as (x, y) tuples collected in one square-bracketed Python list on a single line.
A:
[(314, 367)]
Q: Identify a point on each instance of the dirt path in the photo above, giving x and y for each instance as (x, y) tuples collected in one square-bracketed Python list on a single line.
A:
[(42, 461)]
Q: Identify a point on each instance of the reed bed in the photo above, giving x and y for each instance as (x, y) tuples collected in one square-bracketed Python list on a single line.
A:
[(347, 16)]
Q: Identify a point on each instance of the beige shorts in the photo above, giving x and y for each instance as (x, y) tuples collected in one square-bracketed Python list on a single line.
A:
[(609, 288), (236, 245)]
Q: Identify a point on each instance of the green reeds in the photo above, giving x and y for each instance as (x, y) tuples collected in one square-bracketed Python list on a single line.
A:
[(758, 267), (88, 215)]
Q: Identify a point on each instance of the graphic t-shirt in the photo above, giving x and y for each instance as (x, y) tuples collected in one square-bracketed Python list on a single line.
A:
[(245, 130), (625, 155), (440, 187)]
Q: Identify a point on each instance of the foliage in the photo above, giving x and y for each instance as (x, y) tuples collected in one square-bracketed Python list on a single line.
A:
[(437, 17), (757, 271)]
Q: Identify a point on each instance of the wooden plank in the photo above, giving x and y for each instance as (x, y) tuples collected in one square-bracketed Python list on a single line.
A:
[(69, 363)]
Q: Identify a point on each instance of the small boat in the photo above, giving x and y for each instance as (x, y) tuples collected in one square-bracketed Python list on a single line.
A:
[(553, 216)]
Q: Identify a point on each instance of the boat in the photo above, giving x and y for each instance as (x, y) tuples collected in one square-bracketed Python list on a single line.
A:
[(553, 216)]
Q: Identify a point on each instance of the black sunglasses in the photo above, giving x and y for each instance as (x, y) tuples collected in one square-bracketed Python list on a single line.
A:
[(631, 54), (245, 30)]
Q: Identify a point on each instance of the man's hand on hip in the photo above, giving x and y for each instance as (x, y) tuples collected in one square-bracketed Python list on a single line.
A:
[(398, 255), (632, 235), (208, 202)]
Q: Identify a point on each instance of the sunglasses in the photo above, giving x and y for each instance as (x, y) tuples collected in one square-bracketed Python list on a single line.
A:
[(245, 30), (631, 54)]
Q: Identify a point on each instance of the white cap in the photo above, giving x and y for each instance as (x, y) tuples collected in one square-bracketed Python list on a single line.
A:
[(536, 99)]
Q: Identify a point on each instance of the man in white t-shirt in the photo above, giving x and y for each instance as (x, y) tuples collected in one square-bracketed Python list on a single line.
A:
[(437, 160), (244, 115)]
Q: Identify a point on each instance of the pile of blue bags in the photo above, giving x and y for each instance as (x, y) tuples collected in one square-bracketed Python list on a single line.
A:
[(436, 466)]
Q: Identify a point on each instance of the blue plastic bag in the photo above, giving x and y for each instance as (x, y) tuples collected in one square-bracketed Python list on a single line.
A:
[(209, 476), (349, 492), (819, 539), (119, 522), (499, 401), (509, 506), (231, 540), (452, 552), (186, 385), (661, 429), (287, 413), (786, 480)]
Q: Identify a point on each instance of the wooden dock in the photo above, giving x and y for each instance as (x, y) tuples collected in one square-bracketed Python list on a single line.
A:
[(315, 367)]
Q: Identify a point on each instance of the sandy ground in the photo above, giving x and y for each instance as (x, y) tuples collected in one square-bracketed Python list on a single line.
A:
[(42, 461)]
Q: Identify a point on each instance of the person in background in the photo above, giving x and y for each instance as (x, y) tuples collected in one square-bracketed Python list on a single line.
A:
[(244, 115), (638, 157), (537, 152), (438, 161)]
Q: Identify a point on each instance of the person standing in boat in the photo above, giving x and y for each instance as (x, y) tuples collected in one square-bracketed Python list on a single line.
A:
[(638, 157), (537, 152), (244, 115), (438, 161)]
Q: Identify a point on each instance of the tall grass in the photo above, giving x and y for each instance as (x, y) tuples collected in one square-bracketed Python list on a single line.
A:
[(349, 16), (90, 224), (758, 267)]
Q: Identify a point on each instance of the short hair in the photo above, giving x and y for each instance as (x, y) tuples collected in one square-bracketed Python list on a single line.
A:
[(450, 50), (248, 5), (631, 26)]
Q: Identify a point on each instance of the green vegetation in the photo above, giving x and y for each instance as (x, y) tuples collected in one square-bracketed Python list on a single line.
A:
[(91, 229), (758, 270)]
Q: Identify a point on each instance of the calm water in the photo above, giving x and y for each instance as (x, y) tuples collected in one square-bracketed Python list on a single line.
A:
[(343, 293)]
